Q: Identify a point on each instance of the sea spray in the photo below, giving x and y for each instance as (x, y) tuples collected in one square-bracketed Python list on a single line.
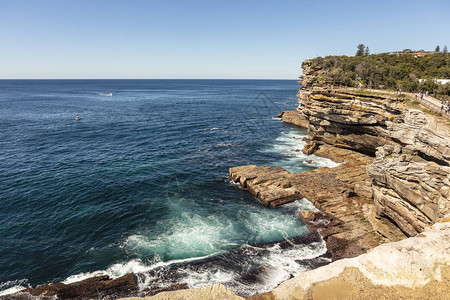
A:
[(290, 143)]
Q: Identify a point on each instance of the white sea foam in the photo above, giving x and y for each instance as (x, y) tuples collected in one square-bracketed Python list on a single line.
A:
[(186, 237), (114, 271), (302, 204), (13, 286), (202, 279), (190, 235), (185, 234), (12, 290), (289, 144)]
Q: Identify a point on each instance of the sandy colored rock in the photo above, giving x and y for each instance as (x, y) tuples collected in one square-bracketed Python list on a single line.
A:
[(346, 229), (269, 185), (411, 182), (307, 215), (295, 117), (213, 292), (409, 179)]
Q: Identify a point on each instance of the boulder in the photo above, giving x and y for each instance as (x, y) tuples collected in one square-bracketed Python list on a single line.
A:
[(307, 215)]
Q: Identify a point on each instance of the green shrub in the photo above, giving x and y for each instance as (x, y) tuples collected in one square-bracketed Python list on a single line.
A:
[(389, 71)]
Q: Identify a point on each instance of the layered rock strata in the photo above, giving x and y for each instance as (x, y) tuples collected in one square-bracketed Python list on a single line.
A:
[(404, 189), (345, 118), (294, 117), (409, 178)]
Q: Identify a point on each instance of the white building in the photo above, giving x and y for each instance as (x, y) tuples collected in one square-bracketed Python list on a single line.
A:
[(440, 81)]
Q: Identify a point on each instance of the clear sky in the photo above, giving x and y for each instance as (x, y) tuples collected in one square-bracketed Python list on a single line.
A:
[(204, 39)]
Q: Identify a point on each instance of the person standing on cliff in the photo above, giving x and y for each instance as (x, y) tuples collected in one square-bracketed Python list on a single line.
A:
[(421, 95)]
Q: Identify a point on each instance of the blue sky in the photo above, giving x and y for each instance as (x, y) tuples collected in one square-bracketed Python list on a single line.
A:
[(204, 39)]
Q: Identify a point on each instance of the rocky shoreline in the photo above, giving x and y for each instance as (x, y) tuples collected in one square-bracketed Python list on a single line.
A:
[(392, 185), (342, 222)]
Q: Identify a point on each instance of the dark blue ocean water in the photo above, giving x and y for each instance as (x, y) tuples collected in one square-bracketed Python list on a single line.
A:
[(140, 182)]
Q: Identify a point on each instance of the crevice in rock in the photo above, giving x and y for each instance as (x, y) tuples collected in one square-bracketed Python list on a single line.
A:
[(393, 223), (433, 159)]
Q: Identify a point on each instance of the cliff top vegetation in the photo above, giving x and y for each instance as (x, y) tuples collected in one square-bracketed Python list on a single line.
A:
[(397, 70)]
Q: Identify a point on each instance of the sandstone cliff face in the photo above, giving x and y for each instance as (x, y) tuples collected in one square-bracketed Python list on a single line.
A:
[(294, 117), (409, 178), (411, 183), (355, 120)]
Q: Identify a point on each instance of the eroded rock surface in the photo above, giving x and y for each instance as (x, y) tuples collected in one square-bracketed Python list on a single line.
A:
[(409, 179), (411, 183), (213, 292), (294, 117)]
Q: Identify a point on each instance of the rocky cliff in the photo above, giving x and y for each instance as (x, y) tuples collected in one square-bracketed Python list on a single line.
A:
[(409, 177), (344, 118), (395, 182)]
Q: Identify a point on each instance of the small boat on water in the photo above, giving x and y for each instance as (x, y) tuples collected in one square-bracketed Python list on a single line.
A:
[(107, 95), (77, 118)]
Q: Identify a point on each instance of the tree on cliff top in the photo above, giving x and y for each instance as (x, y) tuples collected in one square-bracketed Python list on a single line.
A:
[(438, 49), (388, 71), (445, 49), (360, 51)]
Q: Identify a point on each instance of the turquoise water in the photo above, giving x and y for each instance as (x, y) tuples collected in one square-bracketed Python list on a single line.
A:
[(140, 183)]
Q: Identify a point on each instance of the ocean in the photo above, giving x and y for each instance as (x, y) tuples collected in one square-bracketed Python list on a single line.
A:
[(139, 183)]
